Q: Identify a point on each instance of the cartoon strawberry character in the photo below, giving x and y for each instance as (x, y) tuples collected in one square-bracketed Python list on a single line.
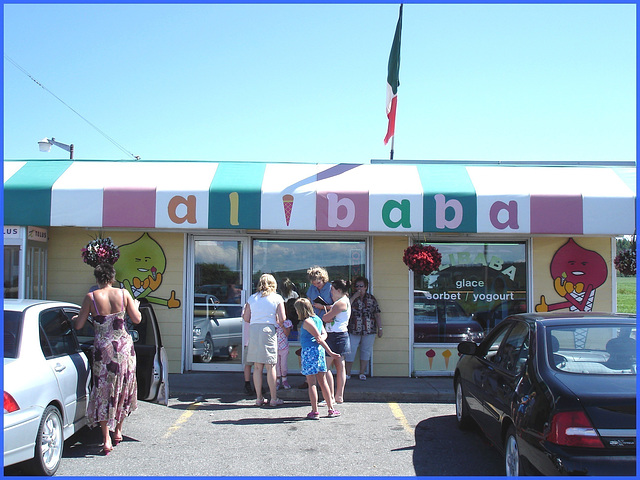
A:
[(577, 273)]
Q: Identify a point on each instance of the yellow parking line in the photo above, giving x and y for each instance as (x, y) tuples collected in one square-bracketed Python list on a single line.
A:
[(182, 419), (397, 412)]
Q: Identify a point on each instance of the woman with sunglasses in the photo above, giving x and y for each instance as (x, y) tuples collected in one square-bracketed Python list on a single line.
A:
[(364, 325)]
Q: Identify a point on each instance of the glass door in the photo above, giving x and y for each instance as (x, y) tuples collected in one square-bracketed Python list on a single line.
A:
[(215, 313), (35, 272), (11, 271)]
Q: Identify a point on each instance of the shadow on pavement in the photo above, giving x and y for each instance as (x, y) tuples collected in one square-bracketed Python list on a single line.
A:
[(443, 449)]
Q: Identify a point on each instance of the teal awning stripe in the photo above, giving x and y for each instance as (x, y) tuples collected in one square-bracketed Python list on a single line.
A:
[(449, 199), (27, 194), (235, 195), (628, 176)]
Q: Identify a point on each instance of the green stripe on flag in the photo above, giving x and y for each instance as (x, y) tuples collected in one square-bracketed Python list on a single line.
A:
[(27, 194), (235, 195), (393, 74)]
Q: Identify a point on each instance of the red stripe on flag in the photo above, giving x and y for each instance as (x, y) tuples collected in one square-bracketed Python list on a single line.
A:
[(391, 129)]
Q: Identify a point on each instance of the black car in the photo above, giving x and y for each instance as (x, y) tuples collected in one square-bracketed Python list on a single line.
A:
[(556, 393)]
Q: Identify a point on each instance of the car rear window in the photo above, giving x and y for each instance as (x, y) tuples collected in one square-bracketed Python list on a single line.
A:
[(598, 349), (12, 333)]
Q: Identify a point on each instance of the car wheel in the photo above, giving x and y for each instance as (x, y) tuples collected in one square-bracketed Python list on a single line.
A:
[(207, 355), (462, 408), (49, 443), (512, 454)]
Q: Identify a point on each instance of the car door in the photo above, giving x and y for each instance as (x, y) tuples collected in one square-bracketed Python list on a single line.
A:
[(152, 370), (501, 380), (152, 363), (483, 363), (64, 356)]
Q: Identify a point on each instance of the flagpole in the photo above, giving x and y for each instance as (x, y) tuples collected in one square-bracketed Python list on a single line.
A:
[(392, 140)]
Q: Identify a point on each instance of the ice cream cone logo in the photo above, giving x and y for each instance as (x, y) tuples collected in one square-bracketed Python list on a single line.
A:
[(287, 203), (446, 354), (430, 354)]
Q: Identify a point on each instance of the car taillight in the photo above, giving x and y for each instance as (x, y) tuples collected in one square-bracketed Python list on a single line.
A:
[(10, 405), (573, 429)]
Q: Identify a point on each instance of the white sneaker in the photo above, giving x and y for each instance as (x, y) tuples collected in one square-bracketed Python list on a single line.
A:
[(363, 376), (348, 377)]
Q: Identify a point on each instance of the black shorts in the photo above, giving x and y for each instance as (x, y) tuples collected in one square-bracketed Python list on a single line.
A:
[(339, 342)]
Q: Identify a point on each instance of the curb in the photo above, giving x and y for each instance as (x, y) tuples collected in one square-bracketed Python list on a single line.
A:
[(229, 386)]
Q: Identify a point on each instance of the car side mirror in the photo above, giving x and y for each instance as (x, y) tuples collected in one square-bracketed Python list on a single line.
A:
[(467, 348)]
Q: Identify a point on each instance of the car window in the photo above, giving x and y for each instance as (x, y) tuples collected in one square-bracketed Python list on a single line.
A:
[(12, 333), (146, 334), (86, 334), (515, 348), (489, 348), (593, 349), (56, 334)]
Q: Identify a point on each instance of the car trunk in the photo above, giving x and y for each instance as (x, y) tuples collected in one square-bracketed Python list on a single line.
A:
[(610, 404)]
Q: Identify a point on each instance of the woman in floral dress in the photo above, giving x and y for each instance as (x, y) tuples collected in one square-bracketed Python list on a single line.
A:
[(115, 390)]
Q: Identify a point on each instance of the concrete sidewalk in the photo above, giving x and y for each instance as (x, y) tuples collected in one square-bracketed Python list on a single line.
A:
[(230, 385)]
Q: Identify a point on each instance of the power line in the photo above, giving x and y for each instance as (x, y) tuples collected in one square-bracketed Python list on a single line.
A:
[(70, 108)]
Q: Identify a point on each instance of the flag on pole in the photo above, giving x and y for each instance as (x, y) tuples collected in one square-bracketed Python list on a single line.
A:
[(393, 80)]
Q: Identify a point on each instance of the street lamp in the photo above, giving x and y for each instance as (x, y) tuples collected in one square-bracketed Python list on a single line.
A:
[(45, 146)]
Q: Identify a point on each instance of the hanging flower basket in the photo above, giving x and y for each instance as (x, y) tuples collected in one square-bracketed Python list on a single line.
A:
[(422, 259), (100, 250), (625, 261)]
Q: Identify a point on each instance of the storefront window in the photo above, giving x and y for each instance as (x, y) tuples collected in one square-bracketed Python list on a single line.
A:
[(292, 258), (476, 287), (282, 258)]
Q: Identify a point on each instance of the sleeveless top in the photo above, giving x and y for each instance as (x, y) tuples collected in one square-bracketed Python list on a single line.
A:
[(341, 321), (263, 309), (306, 339)]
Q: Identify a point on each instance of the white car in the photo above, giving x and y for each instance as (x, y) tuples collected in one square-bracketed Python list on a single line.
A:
[(46, 382), (47, 378)]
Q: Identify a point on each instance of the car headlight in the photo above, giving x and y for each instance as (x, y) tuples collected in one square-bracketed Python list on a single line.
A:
[(477, 337), (196, 331), (472, 336)]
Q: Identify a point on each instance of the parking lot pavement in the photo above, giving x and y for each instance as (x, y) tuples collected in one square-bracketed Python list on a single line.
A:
[(207, 436)]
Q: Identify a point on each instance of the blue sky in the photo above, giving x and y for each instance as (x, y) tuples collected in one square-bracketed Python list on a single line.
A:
[(307, 83)]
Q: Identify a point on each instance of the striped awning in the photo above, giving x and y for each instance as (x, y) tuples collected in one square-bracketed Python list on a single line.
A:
[(385, 197)]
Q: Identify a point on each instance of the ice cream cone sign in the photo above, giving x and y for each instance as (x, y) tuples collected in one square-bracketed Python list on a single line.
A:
[(287, 203), (430, 354), (446, 354)]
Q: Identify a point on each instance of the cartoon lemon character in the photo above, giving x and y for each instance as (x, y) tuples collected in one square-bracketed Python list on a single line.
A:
[(140, 268)]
